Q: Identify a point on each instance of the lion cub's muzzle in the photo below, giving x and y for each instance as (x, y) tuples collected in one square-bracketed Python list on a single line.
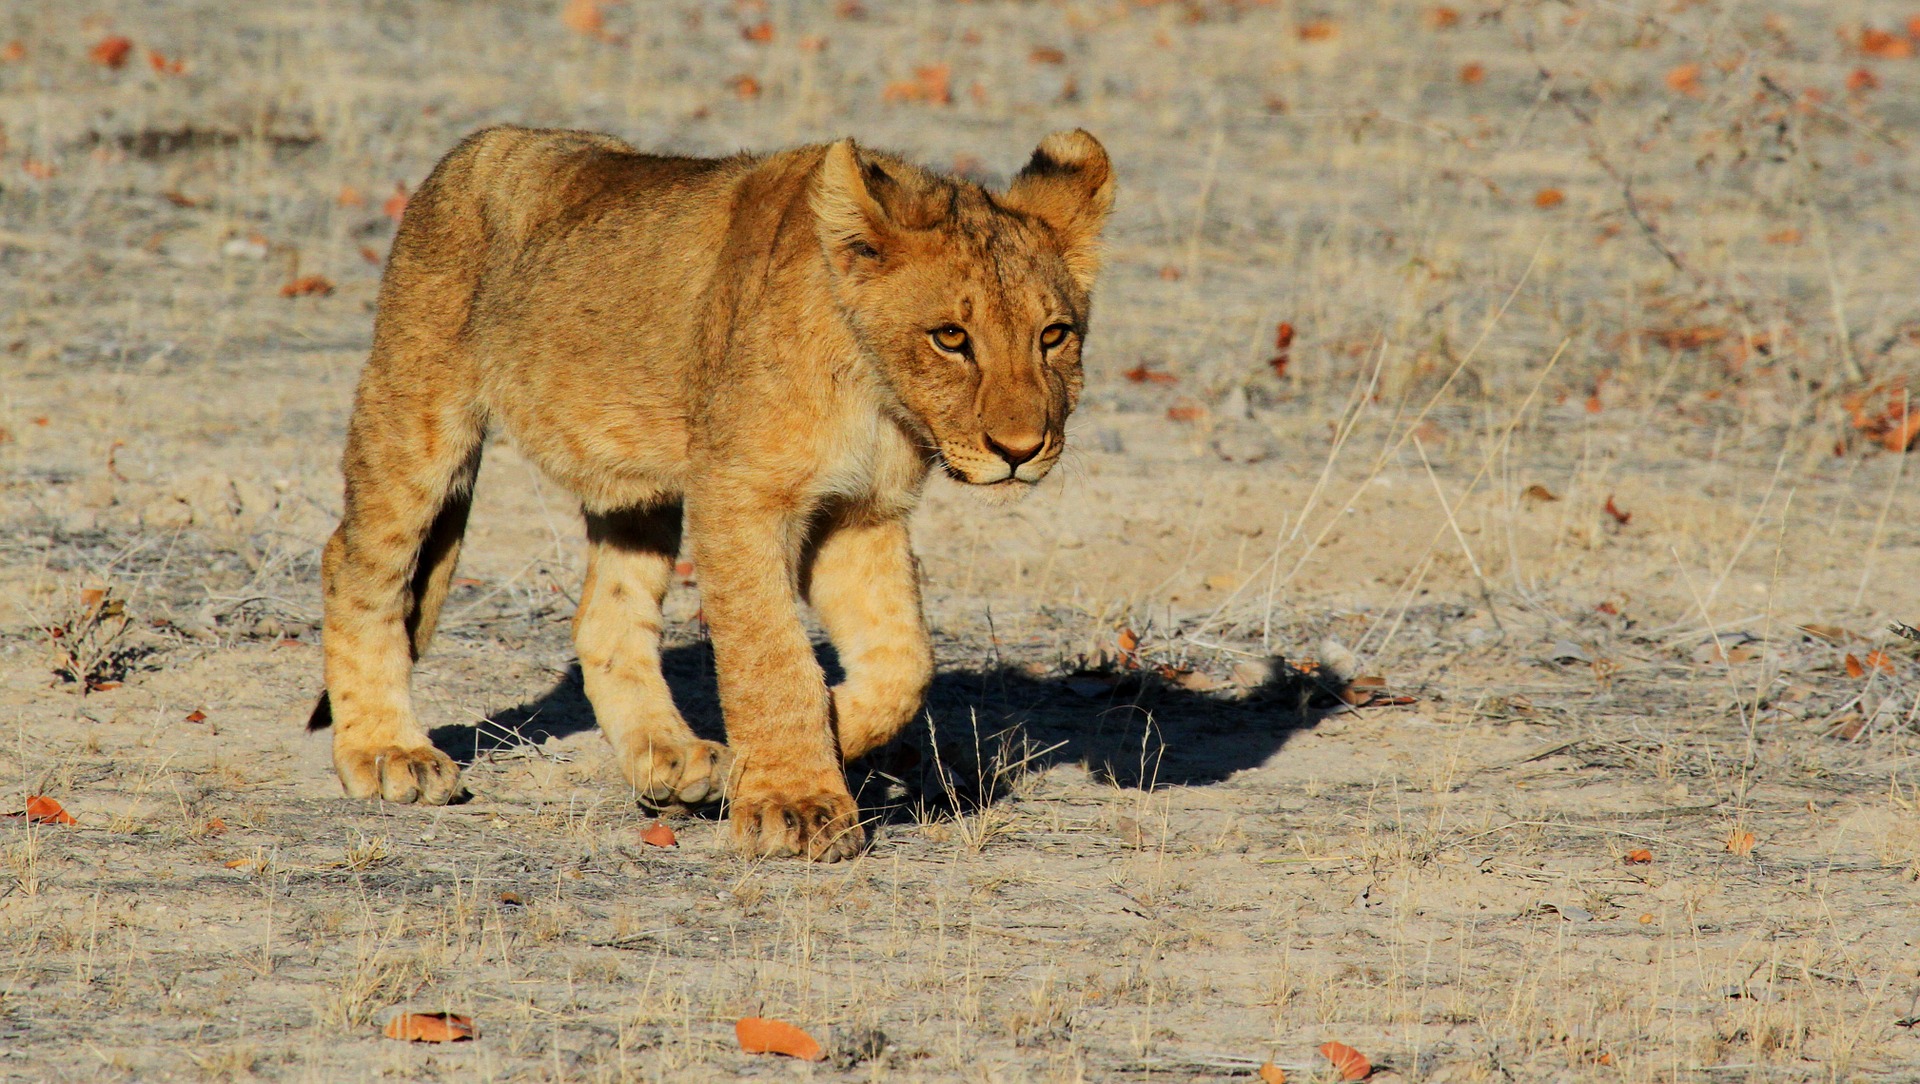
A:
[(1000, 458)]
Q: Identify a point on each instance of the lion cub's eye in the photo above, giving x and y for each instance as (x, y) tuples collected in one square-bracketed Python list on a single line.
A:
[(1053, 336), (951, 338)]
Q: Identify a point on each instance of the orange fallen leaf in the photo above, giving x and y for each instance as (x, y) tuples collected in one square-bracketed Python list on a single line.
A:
[(1047, 54), (1273, 1074), (196, 716), (1902, 436), (1282, 349), (758, 1035), (1186, 412), (350, 197), (110, 52), (1639, 858), (166, 65), (215, 827), (1688, 338), (745, 87), (932, 83), (15, 52), (1685, 79), (1609, 609), (307, 284), (1884, 44), (659, 834), (1319, 30), (1878, 660), (1129, 642), (38, 170), (1788, 236), (1140, 374), (1739, 842), (368, 254), (1538, 492), (431, 1027), (1350, 1063), (761, 31), (1854, 669), (584, 17), (1622, 518), (1443, 18), (1473, 73), (1862, 80), (1549, 197), (396, 204), (44, 810), (242, 863), (179, 199)]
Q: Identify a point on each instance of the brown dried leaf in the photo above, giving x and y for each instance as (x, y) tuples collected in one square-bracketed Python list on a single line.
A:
[(44, 810), (306, 285), (111, 52), (758, 1035), (1348, 1062), (1685, 79), (431, 1027)]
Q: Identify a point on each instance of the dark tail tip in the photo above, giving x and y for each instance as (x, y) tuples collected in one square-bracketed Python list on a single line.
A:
[(322, 716)]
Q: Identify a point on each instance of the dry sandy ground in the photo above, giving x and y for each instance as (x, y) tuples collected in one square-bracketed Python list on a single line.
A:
[(1523, 245)]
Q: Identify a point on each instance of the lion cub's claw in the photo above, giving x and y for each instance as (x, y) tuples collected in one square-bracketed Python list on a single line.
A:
[(684, 774), (821, 827), (424, 775)]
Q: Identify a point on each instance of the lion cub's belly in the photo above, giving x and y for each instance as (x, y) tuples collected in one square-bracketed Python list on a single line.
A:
[(614, 447)]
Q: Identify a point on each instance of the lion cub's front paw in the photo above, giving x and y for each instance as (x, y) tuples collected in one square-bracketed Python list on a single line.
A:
[(688, 773), (424, 775), (824, 827)]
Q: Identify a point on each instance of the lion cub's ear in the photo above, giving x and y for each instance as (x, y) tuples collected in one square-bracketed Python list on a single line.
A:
[(847, 211), (1068, 184)]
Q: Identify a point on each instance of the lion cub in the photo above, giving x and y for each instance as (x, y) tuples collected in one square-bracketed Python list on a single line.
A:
[(769, 353)]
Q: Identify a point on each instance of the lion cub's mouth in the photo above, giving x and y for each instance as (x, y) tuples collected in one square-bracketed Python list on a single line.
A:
[(1008, 478)]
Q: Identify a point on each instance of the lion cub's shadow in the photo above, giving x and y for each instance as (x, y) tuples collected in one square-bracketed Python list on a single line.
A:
[(984, 729)]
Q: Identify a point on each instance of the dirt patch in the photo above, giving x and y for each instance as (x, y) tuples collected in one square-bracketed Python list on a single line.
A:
[(1330, 691)]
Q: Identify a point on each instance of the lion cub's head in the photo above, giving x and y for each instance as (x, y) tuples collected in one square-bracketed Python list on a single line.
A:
[(974, 302)]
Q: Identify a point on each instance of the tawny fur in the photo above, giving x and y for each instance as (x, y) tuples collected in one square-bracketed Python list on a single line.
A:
[(740, 348)]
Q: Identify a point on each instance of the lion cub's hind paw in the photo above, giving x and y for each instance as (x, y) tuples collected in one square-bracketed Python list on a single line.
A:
[(824, 828), (424, 775), (686, 775)]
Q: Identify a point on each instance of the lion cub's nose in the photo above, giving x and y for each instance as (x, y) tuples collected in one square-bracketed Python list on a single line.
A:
[(1016, 448)]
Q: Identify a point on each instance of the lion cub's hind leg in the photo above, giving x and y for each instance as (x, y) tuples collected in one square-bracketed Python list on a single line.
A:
[(384, 575), (865, 587), (616, 632)]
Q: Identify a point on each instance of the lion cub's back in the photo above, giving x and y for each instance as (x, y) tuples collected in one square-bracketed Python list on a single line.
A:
[(521, 179)]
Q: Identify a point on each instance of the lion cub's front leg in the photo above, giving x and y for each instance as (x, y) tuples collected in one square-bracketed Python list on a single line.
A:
[(616, 631), (788, 795), (866, 589)]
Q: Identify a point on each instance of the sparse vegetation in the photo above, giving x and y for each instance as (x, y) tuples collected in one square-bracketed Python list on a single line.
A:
[(1474, 624)]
